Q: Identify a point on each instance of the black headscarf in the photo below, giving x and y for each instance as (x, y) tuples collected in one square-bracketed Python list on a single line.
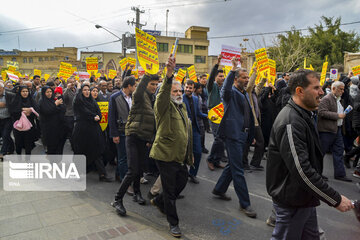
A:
[(86, 102), (45, 101), (19, 102)]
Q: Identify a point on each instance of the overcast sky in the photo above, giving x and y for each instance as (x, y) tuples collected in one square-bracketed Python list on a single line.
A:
[(43, 24)]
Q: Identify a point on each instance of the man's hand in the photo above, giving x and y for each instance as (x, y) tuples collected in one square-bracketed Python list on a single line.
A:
[(219, 59), (235, 63), (116, 140), (351, 74), (254, 141), (342, 115), (97, 118), (345, 204), (170, 66)]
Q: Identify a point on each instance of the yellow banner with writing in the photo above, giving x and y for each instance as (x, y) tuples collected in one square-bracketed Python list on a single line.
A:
[(104, 109), (131, 61), (46, 76), (3, 75), (37, 72), (180, 75), (356, 70), (112, 73), (135, 73), (11, 69), (262, 64), (272, 71), (216, 113), (13, 64), (65, 70), (147, 51), (192, 73), (92, 65), (123, 63), (323, 73), (226, 70)]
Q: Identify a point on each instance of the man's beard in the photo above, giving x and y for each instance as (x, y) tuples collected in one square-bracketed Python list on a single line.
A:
[(177, 99)]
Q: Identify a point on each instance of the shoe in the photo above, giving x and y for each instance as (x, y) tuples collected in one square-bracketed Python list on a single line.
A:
[(139, 199), (248, 212), (155, 204), (144, 180), (347, 162), (210, 166), (257, 168), (130, 191), (324, 178), (204, 150), (175, 231), (151, 196), (219, 165), (356, 174), (193, 179), (221, 196), (224, 159), (180, 196), (105, 178), (345, 179), (120, 209), (271, 220)]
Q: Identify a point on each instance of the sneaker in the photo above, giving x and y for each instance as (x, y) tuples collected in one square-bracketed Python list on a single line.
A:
[(271, 219), (248, 212), (221, 196), (356, 174), (193, 179), (175, 231)]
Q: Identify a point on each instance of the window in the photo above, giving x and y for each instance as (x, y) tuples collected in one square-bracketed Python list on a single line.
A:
[(162, 47), (200, 47), (182, 48), (52, 58), (13, 59), (1, 61), (24, 60), (40, 59), (200, 59), (30, 60), (66, 58), (46, 58)]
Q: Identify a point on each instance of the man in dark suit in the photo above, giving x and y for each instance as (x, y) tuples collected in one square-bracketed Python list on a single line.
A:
[(236, 129), (193, 111)]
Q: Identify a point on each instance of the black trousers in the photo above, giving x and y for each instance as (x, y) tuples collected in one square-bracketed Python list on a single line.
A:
[(174, 177), (135, 152), (258, 151), (5, 133)]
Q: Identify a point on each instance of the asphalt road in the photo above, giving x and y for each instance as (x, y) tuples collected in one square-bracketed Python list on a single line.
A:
[(204, 217)]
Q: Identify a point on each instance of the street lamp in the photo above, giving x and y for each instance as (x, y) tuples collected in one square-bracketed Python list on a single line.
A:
[(120, 39)]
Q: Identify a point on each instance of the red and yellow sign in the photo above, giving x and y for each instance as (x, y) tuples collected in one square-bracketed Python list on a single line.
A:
[(112, 73), (147, 53), (104, 109), (11, 69), (123, 63), (131, 61), (216, 113), (226, 70), (192, 73), (323, 73), (356, 70), (65, 70), (180, 75), (272, 67), (92, 65)]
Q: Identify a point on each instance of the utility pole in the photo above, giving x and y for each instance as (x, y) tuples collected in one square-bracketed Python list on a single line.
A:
[(137, 20)]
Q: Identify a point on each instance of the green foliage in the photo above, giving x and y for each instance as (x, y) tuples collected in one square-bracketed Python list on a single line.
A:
[(325, 39)]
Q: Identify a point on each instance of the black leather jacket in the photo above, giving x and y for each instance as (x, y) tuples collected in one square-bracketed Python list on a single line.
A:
[(295, 162)]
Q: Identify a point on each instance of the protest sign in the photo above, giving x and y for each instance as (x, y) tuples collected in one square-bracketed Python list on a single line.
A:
[(192, 73), (323, 73), (272, 70), (135, 73), (37, 72), (227, 53), (12, 69), (180, 75), (123, 63), (112, 73), (3, 75), (46, 76), (104, 109), (226, 70), (65, 70), (13, 64), (92, 65), (83, 75), (356, 70), (131, 61), (12, 76), (147, 51), (216, 113)]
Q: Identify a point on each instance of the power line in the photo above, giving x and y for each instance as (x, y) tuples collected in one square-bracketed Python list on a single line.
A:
[(270, 33), (100, 44)]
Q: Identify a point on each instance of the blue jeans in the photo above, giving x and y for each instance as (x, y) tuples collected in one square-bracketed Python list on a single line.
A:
[(334, 142), (5, 133), (122, 167), (217, 149), (197, 153), (234, 171), (295, 224)]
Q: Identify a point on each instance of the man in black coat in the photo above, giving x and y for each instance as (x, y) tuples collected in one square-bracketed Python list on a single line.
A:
[(5, 121)]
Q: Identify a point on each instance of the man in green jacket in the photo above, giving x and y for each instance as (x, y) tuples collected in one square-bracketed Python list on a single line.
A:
[(172, 148)]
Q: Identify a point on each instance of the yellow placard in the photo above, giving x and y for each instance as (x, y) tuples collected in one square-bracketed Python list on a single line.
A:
[(172, 49), (135, 73), (3, 75), (92, 65), (192, 73), (13, 64), (65, 70), (131, 61), (123, 63), (226, 70), (147, 51), (323, 73), (180, 75), (112, 73), (73, 69), (104, 109), (97, 75), (262, 62), (37, 72), (46, 76), (216, 113), (356, 70), (11, 69), (272, 71)]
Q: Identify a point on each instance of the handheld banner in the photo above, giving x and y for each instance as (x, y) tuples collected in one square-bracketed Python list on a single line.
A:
[(46, 76), (192, 73), (180, 75), (92, 65), (147, 51), (131, 61), (65, 70), (13, 64), (12, 76), (356, 70), (226, 70), (112, 73), (323, 73), (104, 109), (228, 52), (272, 67), (123, 63), (37, 72), (216, 113)]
